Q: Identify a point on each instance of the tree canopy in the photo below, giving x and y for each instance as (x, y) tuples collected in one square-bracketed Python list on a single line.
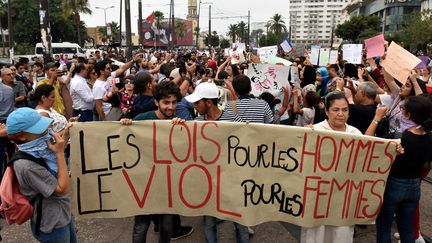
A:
[(358, 28)]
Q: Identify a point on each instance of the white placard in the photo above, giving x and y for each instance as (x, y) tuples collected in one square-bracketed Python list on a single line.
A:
[(333, 56), (314, 55), (324, 56), (266, 53), (352, 53), (267, 78)]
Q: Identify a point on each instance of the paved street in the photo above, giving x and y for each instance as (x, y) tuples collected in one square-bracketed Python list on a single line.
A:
[(120, 230)]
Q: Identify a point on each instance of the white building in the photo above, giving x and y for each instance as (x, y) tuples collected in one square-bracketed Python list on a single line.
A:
[(426, 5), (311, 21)]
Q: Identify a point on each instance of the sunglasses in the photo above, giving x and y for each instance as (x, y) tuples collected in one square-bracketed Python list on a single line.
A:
[(128, 81)]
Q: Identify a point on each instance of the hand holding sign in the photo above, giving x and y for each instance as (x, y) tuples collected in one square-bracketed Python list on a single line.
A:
[(375, 46)]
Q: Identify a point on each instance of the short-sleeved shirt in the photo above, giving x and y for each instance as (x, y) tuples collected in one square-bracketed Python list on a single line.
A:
[(19, 90), (361, 116), (143, 104), (307, 117), (58, 102), (34, 180), (7, 101), (225, 116), (100, 88), (252, 110)]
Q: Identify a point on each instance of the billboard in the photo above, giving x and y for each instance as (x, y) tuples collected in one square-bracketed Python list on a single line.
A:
[(161, 37)]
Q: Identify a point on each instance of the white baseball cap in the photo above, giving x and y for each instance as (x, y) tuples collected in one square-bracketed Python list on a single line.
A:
[(204, 90)]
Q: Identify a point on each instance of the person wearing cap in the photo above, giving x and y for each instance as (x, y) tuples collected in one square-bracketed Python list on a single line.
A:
[(52, 79), (205, 100), (166, 94), (29, 130)]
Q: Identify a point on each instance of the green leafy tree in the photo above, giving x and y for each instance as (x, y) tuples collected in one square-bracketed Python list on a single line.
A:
[(115, 32), (358, 28), (232, 32), (270, 40), (277, 24), (242, 31), (72, 10), (224, 43), (417, 29), (213, 41)]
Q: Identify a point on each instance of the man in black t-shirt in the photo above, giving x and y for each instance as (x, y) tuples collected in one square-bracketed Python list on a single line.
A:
[(165, 97), (362, 112)]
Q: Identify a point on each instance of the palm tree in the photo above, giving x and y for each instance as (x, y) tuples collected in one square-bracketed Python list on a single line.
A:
[(73, 8), (159, 16), (232, 32), (241, 30), (115, 32), (277, 25), (180, 29)]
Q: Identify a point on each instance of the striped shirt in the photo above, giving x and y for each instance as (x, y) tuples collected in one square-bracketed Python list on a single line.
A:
[(252, 110), (225, 116)]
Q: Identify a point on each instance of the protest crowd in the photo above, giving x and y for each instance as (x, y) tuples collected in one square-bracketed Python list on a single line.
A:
[(42, 99)]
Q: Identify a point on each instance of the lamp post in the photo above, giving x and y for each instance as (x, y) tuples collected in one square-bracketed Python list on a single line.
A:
[(106, 27)]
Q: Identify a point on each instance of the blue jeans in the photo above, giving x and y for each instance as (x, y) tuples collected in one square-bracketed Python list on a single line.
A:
[(401, 196), (86, 115), (142, 223), (210, 230), (61, 235)]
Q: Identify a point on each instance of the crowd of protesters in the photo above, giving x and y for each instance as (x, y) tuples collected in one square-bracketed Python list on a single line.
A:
[(40, 100)]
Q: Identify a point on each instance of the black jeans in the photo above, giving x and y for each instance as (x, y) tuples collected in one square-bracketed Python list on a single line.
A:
[(142, 223)]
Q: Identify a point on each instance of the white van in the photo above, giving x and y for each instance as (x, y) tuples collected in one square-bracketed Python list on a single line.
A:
[(66, 48)]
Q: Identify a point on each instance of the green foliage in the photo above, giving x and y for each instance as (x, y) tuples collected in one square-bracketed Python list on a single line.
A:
[(277, 25), (224, 43), (115, 32), (270, 40), (417, 29), (214, 40), (232, 32), (180, 29), (358, 28)]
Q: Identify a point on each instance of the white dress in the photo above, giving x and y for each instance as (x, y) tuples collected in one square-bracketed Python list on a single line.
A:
[(328, 233)]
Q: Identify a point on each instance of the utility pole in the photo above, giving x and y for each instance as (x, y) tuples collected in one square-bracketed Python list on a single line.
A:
[(170, 28), (332, 29), (10, 28), (46, 30), (128, 30), (248, 33), (174, 39), (121, 15), (198, 28), (210, 35), (140, 20)]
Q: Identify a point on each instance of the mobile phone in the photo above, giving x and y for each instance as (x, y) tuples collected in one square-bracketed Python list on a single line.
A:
[(52, 138)]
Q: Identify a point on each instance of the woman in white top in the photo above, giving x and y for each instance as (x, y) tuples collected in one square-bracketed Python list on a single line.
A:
[(337, 111)]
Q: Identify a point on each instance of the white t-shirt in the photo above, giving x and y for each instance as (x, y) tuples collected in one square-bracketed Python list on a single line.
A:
[(100, 88)]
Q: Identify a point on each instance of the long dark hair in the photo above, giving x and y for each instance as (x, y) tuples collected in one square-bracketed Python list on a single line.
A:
[(42, 90), (420, 110)]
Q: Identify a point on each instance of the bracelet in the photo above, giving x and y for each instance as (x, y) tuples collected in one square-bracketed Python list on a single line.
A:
[(375, 121)]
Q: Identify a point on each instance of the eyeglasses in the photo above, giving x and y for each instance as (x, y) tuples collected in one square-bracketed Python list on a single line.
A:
[(9, 74)]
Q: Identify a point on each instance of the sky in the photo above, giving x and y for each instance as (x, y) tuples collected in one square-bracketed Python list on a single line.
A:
[(261, 11)]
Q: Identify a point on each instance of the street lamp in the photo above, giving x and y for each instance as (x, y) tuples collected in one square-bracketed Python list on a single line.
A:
[(105, 9)]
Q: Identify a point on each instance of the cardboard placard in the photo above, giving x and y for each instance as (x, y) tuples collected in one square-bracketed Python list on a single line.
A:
[(399, 62)]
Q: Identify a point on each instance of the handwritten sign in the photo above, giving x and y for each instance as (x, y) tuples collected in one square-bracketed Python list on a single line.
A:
[(266, 53), (267, 78), (286, 45), (375, 46), (352, 53), (399, 62), (324, 56), (314, 55), (237, 56), (230, 171), (239, 46), (279, 61), (333, 56)]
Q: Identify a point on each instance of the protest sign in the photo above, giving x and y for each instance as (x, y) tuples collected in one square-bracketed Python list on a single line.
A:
[(226, 52), (239, 46), (228, 170), (352, 53), (375, 46), (314, 55), (279, 61), (295, 78), (266, 53), (267, 78), (333, 56), (399, 62), (324, 56), (299, 50), (237, 56), (286, 45), (424, 62)]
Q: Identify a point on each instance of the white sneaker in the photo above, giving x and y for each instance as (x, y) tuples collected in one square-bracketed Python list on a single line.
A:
[(250, 231), (396, 236), (420, 240)]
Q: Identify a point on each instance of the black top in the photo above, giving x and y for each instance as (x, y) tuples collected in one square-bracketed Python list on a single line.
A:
[(361, 116), (418, 150)]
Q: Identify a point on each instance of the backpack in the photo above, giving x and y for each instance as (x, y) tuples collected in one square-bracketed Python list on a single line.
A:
[(15, 207)]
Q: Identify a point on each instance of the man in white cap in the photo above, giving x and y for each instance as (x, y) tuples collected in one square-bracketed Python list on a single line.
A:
[(205, 101)]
